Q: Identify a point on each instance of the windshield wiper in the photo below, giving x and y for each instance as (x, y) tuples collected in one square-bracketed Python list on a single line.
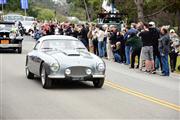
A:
[(80, 48), (47, 48)]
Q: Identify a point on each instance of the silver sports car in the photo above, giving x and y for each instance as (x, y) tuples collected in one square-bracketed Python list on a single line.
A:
[(64, 57)]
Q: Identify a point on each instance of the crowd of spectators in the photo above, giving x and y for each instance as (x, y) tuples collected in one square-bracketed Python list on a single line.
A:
[(152, 45)]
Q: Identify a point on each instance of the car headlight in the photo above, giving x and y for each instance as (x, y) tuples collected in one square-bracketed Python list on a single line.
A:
[(101, 67), (54, 67), (12, 36), (68, 71), (88, 71)]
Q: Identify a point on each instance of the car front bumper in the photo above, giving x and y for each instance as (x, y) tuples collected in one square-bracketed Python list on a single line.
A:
[(74, 77), (10, 45)]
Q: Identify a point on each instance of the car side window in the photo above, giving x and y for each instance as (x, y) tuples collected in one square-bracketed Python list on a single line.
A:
[(37, 46)]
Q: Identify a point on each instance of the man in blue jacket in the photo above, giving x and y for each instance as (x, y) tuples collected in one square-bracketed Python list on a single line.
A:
[(127, 35)]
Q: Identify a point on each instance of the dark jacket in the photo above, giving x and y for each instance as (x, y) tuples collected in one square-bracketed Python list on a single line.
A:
[(68, 31), (155, 37), (135, 42), (113, 38), (130, 32), (164, 44), (120, 38)]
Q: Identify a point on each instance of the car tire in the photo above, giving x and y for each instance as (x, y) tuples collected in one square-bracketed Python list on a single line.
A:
[(29, 74), (46, 82), (98, 83), (19, 50)]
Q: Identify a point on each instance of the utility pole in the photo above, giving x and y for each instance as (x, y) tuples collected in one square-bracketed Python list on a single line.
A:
[(113, 6), (25, 12), (87, 13), (2, 7)]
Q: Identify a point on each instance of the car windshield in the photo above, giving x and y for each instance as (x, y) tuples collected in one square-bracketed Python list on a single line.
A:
[(6, 26), (27, 23), (29, 19), (13, 18), (62, 45)]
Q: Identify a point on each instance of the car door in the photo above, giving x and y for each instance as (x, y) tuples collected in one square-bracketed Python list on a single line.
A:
[(33, 59)]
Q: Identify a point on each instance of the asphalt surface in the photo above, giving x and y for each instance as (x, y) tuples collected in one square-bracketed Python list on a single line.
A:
[(126, 94)]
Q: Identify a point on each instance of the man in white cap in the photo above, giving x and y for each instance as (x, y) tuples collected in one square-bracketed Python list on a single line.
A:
[(152, 24), (155, 36)]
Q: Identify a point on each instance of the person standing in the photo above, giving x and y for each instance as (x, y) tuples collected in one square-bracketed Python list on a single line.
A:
[(90, 37), (136, 44), (95, 41), (174, 44), (155, 37), (108, 44), (83, 36), (147, 48), (100, 36), (164, 48), (127, 35)]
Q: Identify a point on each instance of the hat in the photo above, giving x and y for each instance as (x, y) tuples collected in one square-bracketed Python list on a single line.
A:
[(172, 31), (133, 25), (152, 24), (105, 26), (112, 26)]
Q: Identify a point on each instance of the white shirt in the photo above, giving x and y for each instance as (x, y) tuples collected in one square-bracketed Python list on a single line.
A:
[(100, 35)]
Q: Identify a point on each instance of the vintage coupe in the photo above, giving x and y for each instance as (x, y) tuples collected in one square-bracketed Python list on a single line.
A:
[(10, 37), (64, 57)]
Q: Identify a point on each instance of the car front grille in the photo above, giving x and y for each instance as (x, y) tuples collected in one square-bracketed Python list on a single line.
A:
[(78, 71)]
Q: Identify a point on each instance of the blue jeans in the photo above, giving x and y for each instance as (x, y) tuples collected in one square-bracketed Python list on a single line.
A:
[(165, 65), (105, 42), (117, 57), (157, 63), (101, 48), (85, 42), (127, 53)]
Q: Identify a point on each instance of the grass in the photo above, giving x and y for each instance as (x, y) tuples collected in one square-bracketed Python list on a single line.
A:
[(178, 64)]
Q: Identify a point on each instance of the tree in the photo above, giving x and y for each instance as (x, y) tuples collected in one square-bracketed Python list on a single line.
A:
[(140, 10), (12, 5), (46, 14), (87, 12)]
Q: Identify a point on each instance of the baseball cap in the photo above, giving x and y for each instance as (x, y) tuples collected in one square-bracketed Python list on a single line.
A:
[(152, 24), (172, 31)]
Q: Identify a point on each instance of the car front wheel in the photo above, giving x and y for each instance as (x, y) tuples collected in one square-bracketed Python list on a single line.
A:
[(29, 74), (19, 50), (46, 82), (98, 83)]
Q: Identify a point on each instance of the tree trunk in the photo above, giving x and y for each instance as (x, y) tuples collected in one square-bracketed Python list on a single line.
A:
[(87, 12), (178, 22), (140, 10)]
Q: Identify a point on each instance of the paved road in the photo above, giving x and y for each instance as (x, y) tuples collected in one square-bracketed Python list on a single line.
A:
[(127, 94)]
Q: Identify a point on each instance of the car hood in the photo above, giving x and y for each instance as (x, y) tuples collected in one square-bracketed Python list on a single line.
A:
[(27, 26), (4, 30), (73, 57)]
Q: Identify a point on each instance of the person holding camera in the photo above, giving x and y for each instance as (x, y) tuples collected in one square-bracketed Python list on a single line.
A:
[(100, 36), (174, 45)]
